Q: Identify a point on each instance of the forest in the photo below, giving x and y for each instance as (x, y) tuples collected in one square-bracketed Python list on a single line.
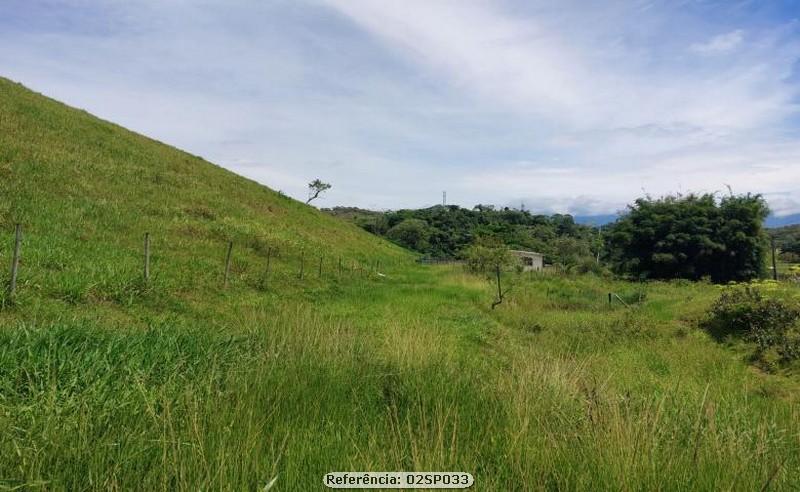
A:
[(691, 236)]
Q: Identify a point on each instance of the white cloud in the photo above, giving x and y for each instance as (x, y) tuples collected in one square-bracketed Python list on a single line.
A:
[(722, 43), (579, 77), (578, 105)]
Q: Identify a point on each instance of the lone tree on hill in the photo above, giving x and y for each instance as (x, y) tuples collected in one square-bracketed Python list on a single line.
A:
[(315, 188)]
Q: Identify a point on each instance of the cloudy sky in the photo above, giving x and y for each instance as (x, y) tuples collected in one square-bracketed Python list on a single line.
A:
[(567, 106)]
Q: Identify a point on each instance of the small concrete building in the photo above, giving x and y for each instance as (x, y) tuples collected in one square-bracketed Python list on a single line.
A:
[(529, 260)]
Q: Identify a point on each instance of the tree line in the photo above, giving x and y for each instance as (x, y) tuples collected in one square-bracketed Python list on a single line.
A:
[(691, 236), (787, 240)]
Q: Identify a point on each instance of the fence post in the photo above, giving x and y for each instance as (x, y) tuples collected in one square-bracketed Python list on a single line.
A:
[(228, 263), (320, 266), (12, 284), (609, 298), (774, 264), (340, 266), (146, 257), (302, 263), (266, 273)]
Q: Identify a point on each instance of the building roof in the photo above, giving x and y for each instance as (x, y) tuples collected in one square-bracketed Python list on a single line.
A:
[(529, 253)]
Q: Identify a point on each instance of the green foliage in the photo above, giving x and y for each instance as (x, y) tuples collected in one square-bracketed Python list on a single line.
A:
[(315, 188), (452, 229), (411, 233), (692, 236), (771, 323), (787, 240), (487, 254)]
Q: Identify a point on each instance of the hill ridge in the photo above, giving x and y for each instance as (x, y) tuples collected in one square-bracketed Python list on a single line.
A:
[(87, 190)]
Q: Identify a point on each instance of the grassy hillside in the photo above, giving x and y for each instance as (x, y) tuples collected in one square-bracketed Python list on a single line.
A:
[(86, 191), (107, 383)]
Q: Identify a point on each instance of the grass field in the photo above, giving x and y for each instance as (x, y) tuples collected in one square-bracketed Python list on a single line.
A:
[(108, 382), (554, 389)]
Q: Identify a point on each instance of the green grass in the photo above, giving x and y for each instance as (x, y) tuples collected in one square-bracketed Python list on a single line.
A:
[(110, 383), (414, 373)]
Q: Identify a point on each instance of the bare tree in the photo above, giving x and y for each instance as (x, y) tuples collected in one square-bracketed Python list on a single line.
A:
[(315, 188)]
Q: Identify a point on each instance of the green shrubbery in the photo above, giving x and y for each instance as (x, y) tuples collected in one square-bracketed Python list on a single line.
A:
[(771, 323), (692, 237)]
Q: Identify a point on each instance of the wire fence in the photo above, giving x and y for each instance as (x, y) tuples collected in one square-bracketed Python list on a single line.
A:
[(303, 265)]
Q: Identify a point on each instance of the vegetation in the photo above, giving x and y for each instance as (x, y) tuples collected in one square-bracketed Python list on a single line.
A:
[(692, 237), (768, 321), (787, 240), (486, 255), (448, 231), (108, 382), (315, 188)]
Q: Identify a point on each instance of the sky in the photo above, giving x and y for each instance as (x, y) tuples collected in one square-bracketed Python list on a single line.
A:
[(570, 106)]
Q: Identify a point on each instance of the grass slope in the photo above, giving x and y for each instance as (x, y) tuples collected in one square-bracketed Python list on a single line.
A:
[(110, 384), (86, 191)]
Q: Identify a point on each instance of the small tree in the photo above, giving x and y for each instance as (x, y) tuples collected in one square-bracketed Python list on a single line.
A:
[(315, 188), (486, 255)]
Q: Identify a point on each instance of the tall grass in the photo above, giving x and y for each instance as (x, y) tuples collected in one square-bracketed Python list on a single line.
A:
[(413, 375)]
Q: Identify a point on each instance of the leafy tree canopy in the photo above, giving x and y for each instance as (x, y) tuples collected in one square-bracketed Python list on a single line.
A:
[(450, 230), (692, 236)]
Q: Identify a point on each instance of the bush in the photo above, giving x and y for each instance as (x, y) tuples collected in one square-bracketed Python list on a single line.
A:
[(771, 323), (587, 265)]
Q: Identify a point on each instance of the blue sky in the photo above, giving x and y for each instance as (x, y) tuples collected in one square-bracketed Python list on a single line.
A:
[(568, 106)]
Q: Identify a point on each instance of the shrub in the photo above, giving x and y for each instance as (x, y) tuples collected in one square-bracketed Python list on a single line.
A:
[(769, 322), (586, 265)]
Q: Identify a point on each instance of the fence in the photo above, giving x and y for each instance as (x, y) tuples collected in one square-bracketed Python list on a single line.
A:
[(440, 261), (305, 265)]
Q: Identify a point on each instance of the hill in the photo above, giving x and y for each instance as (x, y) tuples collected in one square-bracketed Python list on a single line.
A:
[(86, 191), (787, 220)]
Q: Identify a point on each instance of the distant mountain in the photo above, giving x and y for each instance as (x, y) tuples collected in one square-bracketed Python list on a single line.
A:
[(595, 220), (773, 221), (598, 220)]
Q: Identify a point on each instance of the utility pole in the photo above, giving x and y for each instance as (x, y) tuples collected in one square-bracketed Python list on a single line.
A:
[(774, 264), (444, 198), (599, 242)]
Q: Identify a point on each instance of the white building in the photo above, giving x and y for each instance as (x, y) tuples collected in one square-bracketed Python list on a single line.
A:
[(530, 260)]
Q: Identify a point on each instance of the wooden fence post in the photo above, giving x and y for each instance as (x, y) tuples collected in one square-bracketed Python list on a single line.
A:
[(320, 267), (340, 266), (266, 273), (228, 263), (146, 257), (302, 263), (12, 284), (774, 264)]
